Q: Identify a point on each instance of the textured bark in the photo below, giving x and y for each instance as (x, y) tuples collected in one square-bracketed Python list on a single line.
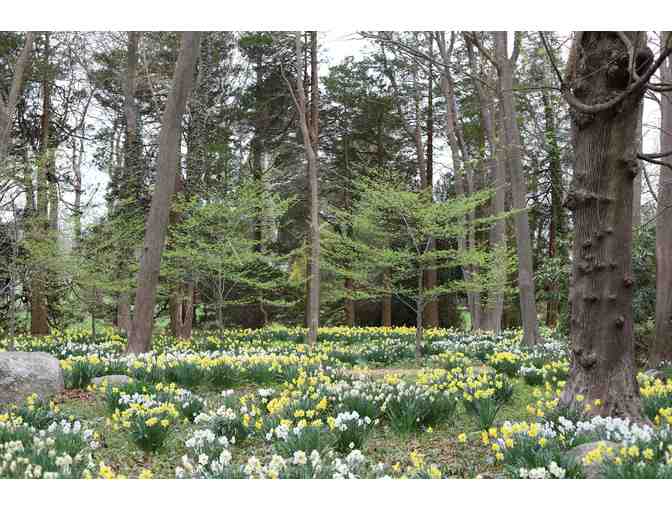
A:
[(157, 222), (661, 348), (600, 198), (519, 191)]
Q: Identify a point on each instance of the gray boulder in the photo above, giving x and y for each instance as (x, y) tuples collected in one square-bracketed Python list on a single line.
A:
[(25, 373), (579, 452), (656, 374), (111, 380)]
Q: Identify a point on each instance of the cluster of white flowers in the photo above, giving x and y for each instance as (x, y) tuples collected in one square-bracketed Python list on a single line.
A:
[(527, 370), (620, 430), (347, 420), (552, 471)]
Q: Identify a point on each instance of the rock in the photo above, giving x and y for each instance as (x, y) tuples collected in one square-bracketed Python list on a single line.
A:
[(111, 380), (579, 452), (25, 373), (656, 374)]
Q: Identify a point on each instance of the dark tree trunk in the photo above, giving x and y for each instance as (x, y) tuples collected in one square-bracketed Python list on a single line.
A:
[(386, 314), (601, 329), (661, 348), (157, 222)]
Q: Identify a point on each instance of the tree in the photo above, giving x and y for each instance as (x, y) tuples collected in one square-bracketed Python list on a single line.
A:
[(309, 124), (605, 101), (528, 306), (167, 167), (8, 108), (661, 347), (393, 226)]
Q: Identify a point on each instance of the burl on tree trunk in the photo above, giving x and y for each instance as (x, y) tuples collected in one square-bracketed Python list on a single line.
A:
[(602, 345)]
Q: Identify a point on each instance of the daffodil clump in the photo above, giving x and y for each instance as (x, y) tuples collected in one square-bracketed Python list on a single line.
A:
[(655, 394), (450, 360), (410, 408), (484, 394), (147, 422), (530, 450), (37, 412), (507, 363), (644, 454)]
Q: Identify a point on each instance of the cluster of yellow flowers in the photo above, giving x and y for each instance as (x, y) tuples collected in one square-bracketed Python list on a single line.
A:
[(651, 387), (161, 415)]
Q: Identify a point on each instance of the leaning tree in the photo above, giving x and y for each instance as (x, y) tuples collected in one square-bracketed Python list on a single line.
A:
[(607, 75)]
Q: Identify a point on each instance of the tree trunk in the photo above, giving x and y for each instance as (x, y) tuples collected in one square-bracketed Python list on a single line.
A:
[(519, 191), (556, 226), (496, 162), (661, 348), (637, 182), (349, 304), (459, 168), (157, 222), (601, 329), (39, 324), (310, 131), (7, 109), (124, 313), (431, 313), (419, 327), (386, 316)]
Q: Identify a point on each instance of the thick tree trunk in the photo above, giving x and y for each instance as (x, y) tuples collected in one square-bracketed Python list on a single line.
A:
[(661, 348), (157, 222), (519, 191), (601, 336)]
